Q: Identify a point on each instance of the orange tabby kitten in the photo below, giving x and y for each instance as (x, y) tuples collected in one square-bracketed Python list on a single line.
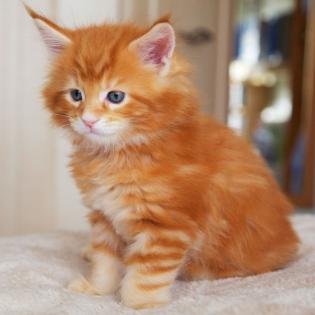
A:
[(173, 193)]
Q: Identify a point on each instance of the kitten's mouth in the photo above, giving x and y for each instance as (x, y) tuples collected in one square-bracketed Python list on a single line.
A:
[(101, 133), (95, 132)]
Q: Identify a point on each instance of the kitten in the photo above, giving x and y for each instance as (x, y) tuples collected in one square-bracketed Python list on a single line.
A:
[(173, 194)]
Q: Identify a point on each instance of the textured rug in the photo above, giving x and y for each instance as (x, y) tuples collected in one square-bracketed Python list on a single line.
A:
[(35, 270)]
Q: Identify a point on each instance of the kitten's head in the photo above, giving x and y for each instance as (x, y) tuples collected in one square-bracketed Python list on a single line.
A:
[(112, 83)]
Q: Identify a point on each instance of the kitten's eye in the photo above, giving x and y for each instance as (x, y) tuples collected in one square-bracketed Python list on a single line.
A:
[(76, 95), (116, 97)]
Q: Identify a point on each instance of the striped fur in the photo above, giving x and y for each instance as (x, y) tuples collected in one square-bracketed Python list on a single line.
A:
[(173, 193)]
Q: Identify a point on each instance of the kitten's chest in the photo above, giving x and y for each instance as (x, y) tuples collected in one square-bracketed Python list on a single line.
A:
[(118, 195), (124, 189)]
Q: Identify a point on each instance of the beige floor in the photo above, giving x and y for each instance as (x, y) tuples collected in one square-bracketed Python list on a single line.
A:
[(35, 269)]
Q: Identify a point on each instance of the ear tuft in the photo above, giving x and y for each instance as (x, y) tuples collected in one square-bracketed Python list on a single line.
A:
[(166, 18), (31, 12), (156, 47), (55, 37)]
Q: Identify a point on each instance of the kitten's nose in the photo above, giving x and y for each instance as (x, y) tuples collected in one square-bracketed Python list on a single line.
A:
[(89, 123), (89, 120)]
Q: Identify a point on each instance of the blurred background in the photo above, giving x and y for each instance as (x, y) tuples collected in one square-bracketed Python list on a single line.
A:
[(254, 64)]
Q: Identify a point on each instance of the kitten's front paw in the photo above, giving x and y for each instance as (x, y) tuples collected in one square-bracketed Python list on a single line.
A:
[(148, 305), (138, 299), (82, 285)]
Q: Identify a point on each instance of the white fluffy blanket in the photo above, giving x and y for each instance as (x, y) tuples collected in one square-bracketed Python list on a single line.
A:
[(35, 270)]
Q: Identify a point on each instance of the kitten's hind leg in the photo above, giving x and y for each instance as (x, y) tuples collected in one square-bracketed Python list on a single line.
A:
[(104, 256), (195, 271)]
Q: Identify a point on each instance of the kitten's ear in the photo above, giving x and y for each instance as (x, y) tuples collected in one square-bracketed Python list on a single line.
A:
[(156, 47), (55, 37)]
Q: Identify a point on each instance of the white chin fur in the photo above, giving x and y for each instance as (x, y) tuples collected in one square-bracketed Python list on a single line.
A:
[(112, 136)]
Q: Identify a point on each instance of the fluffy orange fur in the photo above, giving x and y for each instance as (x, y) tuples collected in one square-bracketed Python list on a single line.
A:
[(174, 194)]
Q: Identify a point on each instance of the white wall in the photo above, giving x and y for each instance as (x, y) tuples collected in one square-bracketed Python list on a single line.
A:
[(36, 191), (24, 183), (75, 13)]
